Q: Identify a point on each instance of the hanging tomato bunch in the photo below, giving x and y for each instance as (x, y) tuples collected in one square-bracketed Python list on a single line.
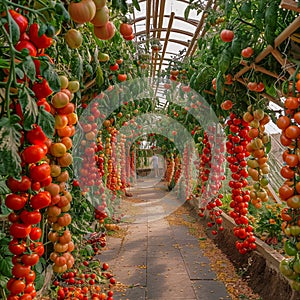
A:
[(289, 192), (60, 159), (258, 168), (214, 202), (29, 195), (236, 146)]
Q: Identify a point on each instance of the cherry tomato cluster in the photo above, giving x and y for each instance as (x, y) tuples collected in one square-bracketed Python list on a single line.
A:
[(75, 285), (289, 192), (213, 206), (100, 213), (205, 162), (97, 241), (170, 169), (60, 158), (258, 168), (113, 179), (216, 220), (123, 162), (90, 174), (236, 146), (29, 196), (178, 168)]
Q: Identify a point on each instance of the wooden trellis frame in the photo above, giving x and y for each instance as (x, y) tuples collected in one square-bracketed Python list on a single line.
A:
[(272, 49), (290, 4)]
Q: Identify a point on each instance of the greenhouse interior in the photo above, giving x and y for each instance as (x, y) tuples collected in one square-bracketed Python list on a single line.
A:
[(149, 149)]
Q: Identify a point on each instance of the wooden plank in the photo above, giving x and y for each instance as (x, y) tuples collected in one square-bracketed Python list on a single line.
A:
[(290, 4), (284, 62)]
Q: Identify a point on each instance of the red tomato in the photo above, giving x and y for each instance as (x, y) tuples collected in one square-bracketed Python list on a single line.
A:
[(29, 288), (33, 154), (19, 186), (15, 202), (20, 20), (40, 172), (30, 259), (23, 44), (25, 296), (16, 248), (227, 105), (40, 200), (114, 67), (37, 248), (13, 217), (260, 87), (226, 35), (35, 233), (16, 286), (41, 89), (46, 181), (252, 86), (30, 277), (40, 41), (20, 271), (43, 102), (247, 52), (30, 217), (126, 29), (36, 136), (19, 231), (122, 77)]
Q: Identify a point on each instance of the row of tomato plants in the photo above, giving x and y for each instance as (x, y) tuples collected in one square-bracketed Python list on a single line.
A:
[(38, 117)]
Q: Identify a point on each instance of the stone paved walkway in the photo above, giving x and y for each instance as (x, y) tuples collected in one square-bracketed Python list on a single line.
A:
[(156, 260)]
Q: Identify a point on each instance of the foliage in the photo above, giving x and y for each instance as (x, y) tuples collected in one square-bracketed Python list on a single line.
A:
[(267, 223)]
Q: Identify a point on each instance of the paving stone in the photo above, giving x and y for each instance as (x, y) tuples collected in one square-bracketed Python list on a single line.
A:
[(131, 276), (135, 245), (210, 290), (134, 293), (157, 265), (169, 285), (198, 265), (133, 258)]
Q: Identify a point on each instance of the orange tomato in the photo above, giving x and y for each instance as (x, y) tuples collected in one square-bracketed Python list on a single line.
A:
[(58, 149), (292, 132), (67, 142), (291, 103), (283, 122)]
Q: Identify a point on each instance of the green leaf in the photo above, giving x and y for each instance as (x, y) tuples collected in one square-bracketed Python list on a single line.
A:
[(220, 88), (42, 29), (19, 72), (99, 76), (3, 280), (39, 267), (3, 187), (39, 281), (46, 121), (29, 68), (29, 108), (77, 66), (61, 11), (5, 267), (120, 5), (52, 77), (136, 5), (10, 136), (14, 30), (187, 12), (5, 251)]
